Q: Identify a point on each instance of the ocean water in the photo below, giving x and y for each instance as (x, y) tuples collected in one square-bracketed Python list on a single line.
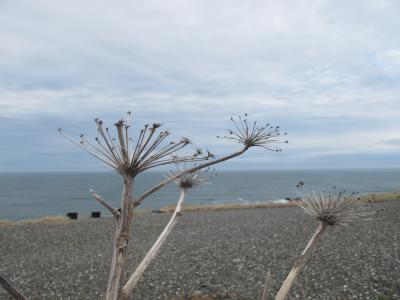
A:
[(34, 195)]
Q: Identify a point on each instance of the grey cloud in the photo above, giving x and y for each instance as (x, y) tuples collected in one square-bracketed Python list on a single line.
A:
[(394, 142), (327, 72)]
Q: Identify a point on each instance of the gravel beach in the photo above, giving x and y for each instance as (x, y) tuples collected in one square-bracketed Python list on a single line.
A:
[(223, 255)]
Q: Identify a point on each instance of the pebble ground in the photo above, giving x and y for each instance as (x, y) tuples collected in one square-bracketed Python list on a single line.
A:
[(222, 255)]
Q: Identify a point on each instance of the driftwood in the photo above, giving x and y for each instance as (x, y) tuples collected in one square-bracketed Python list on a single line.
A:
[(11, 289)]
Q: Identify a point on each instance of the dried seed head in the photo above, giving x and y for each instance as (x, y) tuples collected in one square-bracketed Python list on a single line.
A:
[(336, 207), (210, 155), (120, 123), (185, 141), (190, 180), (129, 156), (250, 134), (98, 122)]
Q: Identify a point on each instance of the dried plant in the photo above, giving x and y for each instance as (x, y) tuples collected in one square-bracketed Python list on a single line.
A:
[(267, 286), (130, 157), (337, 208), (11, 289), (184, 183), (252, 135), (190, 180)]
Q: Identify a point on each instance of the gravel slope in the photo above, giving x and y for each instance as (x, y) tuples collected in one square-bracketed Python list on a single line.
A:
[(223, 254)]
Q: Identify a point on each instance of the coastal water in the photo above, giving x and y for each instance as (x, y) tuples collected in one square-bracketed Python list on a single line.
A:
[(33, 195)]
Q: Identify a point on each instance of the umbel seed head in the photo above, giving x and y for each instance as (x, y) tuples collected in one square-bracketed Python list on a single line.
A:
[(129, 156), (190, 180), (250, 134), (335, 207)]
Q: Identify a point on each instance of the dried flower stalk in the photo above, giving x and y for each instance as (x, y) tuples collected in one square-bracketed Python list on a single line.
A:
[(335, 209), (141, 268), (185, 182), (267, 286), (129, 158), (11, 289)]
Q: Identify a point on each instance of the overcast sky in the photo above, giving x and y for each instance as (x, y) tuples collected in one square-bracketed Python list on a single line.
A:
[(327, 72)]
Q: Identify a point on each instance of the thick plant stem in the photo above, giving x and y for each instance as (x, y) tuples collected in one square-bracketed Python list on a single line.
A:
[(124, 221), (11, 289), (133, 280), (121, 239), (299, 264), (267, 286)]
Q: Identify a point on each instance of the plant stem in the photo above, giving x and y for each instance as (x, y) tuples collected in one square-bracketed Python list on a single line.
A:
[(121, 239), (299, 264), (267, 286), (133, 280), (103, 202), (11, 289), (192, 170), (124, 222)]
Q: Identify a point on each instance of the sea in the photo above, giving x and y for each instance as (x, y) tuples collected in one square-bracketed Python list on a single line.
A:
[(35, 195)]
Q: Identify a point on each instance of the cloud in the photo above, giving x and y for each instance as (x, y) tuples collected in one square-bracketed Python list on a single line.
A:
[(391, 56), (395, 142), (327, 72)]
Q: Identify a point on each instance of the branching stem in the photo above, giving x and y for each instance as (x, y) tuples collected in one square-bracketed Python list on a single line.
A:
[(103, 202), (133, 280), (194, 169)]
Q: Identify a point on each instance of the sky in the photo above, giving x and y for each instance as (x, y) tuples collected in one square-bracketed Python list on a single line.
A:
[(327, 72)]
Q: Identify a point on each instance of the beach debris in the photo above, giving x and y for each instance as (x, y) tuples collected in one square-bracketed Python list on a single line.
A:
[(157, 211), (72, 215), (95, 214)]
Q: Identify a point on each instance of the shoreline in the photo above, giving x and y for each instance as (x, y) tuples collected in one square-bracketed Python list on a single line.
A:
[(372, 197)]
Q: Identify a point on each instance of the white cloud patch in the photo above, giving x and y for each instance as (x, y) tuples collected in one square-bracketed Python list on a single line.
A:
[(309, 66)]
